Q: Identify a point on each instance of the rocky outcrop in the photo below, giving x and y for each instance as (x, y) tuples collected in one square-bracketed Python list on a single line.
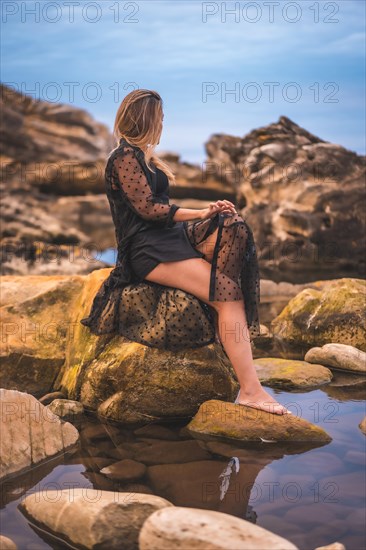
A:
[(339, 356), (303, 197), (246, 424), (30, 433), (333, 314), (93, 519), (47, 133), (183, 528)]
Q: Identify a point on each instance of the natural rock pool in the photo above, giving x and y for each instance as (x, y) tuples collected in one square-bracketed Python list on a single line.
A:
[(312, 496)]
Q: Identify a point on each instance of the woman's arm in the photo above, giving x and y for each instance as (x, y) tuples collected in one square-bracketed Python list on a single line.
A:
[(132, 182)]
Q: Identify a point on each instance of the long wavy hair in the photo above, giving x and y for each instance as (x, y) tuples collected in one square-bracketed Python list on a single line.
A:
[(139, 121)]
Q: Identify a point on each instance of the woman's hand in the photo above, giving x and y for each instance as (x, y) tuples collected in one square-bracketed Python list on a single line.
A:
[(224, 207)]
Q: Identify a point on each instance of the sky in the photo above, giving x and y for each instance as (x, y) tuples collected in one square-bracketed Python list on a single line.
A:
[(220, 67)]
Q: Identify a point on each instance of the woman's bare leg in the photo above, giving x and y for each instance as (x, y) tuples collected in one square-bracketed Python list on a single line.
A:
[(193, 276)]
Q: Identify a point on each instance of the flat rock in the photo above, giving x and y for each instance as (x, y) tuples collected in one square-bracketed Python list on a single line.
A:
[(93, 518), (183, 528), (291, 374), (239, 422), (30, 433), (339, 356)]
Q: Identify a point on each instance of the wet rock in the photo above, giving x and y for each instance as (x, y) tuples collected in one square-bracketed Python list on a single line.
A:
[(93, 518), (244, 423), (49, 397), (291, 374), (30, 433), (125, 470), (71, 411), (203, 529), (336, 313), (339, 356)]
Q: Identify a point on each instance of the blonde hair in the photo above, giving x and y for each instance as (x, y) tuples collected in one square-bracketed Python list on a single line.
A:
[(138, 120)]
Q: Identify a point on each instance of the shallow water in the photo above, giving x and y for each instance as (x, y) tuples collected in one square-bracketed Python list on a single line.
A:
[(313, 497)]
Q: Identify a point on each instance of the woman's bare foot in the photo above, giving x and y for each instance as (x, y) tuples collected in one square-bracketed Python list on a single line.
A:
[(261, 400)]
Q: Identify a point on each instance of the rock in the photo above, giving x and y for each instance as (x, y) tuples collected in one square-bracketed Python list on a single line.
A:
[(93, 518), (181, 528), (290, 374), (125, 470), (339, 356), (49, 397), (336, 313), (7, 544), (302, 197), (30, 433), (239, 422), (362, 425), (36, 131), (100, 372), (69, 410), (36, 316)]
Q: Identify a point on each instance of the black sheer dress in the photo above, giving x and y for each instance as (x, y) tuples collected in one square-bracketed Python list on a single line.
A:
[(146, 234)]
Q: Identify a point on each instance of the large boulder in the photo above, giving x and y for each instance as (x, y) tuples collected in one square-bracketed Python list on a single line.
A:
[(93, 519), (45, 348), (303, 197), (30, 433), (36, 327), (334, 313)]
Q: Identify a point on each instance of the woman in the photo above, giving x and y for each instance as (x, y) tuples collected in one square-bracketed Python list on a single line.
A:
[(208, 253)]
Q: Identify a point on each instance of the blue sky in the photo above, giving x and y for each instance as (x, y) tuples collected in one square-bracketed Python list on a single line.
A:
[(193, 53)]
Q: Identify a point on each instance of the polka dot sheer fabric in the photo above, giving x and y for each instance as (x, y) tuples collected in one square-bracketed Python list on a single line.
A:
[(157, 315), (131, 180)]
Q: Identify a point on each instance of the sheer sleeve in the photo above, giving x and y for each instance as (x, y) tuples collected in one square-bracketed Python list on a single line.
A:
[(132, 182)]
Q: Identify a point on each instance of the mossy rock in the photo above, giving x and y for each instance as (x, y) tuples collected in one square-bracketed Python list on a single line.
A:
[(334, 313), (228, 421), (291, 374)]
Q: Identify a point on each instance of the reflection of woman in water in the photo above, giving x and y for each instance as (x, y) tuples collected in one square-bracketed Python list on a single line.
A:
[(208, 252)]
